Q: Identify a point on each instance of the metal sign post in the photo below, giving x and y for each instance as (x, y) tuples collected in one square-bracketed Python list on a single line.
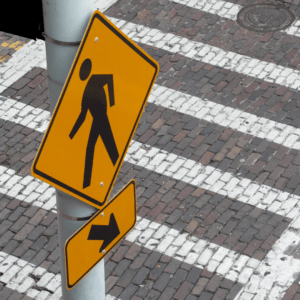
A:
[(65, 22)]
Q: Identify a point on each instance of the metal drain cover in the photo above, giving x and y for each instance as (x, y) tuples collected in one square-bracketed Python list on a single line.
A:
[(265, 17)]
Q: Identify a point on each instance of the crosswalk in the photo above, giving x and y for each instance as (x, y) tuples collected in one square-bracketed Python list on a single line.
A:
[(244, 122), (164, 163), (270, 72), (193, 251), (175, 167), (279, 264)]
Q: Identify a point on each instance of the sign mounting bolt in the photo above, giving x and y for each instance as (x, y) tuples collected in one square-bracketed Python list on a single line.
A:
[(103, 251), (96, 39), (102, 214), (101, 183)]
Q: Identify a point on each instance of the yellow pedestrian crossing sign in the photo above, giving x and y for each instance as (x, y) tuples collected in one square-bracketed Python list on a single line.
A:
[(97, 113)]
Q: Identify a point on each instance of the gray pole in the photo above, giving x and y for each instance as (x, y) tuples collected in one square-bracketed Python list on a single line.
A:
[(65, 22)]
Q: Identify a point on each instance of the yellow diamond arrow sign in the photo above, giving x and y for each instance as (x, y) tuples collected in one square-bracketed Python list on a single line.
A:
[(90, 243), (97, 113)]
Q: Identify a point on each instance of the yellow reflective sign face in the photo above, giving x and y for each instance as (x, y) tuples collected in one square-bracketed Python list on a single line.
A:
[(97, 113), (89, 245)]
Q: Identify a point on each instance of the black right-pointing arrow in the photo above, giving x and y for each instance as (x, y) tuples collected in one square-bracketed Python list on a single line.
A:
[(106, 233)]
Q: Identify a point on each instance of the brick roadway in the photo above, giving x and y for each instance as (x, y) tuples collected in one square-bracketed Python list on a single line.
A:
[(217, 200), (10, 44)]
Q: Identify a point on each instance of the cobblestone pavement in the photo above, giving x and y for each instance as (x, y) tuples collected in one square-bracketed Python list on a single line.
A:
[(216, 159), (10, 44)]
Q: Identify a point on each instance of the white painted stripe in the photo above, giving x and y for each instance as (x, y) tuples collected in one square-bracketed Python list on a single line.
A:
[(209, 54), (229, 10), (109, 297), (21, 282), (277, 272), (206, 110), (27, 115), (155, 237), (31, 55), (235, 119), (16, 277), (213, 179), (103, 5), (148, 234), (164, 163)]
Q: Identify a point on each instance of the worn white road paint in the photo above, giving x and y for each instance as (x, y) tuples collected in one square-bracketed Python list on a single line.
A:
[(269, 72), (161, 162)]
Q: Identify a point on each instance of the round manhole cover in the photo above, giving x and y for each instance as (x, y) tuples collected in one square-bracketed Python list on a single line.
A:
[(265, 17)]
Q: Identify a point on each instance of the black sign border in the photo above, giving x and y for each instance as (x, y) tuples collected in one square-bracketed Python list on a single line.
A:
[(138, 51)]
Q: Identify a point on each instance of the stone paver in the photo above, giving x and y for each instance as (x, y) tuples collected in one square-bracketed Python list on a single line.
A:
[(215, 158)]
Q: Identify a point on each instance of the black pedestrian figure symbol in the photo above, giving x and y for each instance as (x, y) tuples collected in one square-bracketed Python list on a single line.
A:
[(94, 100)]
